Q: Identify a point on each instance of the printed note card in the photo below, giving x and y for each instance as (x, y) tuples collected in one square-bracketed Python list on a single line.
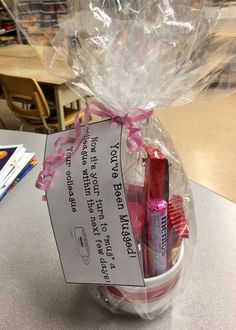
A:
[(89, 212)]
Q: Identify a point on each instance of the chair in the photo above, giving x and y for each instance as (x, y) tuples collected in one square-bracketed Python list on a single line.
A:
[(36, 114), (2, 123)]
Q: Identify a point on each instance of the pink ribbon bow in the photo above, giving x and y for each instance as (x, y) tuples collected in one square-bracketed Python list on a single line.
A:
[(134, 140)]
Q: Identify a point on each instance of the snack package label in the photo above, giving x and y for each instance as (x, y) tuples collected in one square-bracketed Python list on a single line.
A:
[(89, 212)]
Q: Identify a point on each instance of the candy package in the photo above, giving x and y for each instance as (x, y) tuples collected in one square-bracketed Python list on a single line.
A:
[(162, 216), (133, 57)]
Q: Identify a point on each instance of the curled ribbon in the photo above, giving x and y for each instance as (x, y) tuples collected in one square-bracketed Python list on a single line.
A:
[(134, 140)]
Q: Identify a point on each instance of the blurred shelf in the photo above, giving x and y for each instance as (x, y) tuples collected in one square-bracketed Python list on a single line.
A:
[(7, 31), (5, 19), (37, 15)]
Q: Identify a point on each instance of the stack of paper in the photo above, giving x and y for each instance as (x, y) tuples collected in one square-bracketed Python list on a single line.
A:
[(15, 163)]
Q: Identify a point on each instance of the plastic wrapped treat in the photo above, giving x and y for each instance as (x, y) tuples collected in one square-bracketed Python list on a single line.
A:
[(162, 216), (132, 57), (143, 200)]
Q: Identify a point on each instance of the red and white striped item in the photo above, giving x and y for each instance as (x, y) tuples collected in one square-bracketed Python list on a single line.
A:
[(176, 217)]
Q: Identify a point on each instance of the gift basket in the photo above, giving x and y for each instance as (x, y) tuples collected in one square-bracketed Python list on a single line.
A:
[(132, 57)]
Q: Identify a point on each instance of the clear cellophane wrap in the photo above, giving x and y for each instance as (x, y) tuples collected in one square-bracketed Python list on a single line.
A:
[(137, 56)]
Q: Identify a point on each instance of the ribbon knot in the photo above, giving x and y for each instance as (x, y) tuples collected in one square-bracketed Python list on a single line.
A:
[(134, 140)]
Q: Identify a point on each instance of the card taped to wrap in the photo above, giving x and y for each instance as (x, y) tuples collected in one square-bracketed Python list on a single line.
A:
[(88, 210)]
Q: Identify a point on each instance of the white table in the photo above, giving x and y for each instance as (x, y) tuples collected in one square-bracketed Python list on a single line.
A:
[(34, 296)]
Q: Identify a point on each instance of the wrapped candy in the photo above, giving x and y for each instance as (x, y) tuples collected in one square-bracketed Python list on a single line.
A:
[(133, 57), (162, 216)]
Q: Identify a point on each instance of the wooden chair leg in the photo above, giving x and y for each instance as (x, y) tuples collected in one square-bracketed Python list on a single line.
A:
[(78, 104), (2, 123)]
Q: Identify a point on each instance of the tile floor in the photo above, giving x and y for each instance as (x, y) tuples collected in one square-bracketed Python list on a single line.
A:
[(205, 137)]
